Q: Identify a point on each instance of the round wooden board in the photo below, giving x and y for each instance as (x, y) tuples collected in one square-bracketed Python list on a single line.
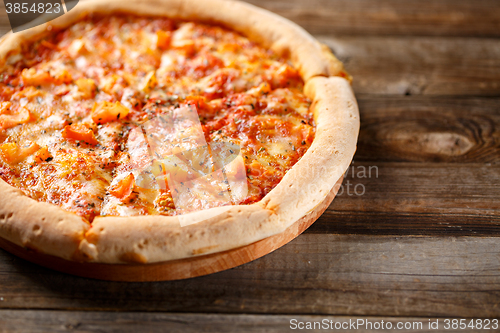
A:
[(175, 269)]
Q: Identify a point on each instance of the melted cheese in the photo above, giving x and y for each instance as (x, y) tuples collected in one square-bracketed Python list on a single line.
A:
[(126, 116)]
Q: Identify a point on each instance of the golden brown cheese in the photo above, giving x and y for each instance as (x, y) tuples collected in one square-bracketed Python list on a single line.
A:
[(116, 115)]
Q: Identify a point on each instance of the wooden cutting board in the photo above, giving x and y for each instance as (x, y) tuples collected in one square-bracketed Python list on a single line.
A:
[(175, 269)]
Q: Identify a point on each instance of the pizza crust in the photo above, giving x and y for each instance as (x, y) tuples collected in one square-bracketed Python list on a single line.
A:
[(39, 226), (146, 239)]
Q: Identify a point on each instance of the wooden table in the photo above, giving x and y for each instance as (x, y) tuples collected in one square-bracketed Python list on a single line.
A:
[(420, 242)]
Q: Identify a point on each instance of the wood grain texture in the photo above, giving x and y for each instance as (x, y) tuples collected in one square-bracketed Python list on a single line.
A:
[(395, 223), (420, 65), (424, 165), (417, 199), (4, 20), (426, 74), (479, 18), (125, 322), (314, 274), (429, 130), (391, 17)]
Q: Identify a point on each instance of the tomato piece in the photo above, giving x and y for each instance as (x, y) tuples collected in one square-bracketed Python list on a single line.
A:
[(123, 190), (33, 77), (11, 120), (13, 154), (43, 155), (87, 87), (79, 132), (4, 107), (106, 112), (163, 39), (39, 77)]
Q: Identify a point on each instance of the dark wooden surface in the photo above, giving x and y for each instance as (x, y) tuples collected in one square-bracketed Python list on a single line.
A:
[(421, 242)]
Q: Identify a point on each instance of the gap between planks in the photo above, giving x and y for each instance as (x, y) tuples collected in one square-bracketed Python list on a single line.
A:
[(314, 274), (479, 18), (34, 321)]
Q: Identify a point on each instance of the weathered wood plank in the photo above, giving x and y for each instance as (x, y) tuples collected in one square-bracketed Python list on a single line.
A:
[(123, 322), (459, 191), (315, 274), (382, 17), (450, 186), (416, 65), (395, 223), (424, 129), (4, 20), (391, 17), (419, 65)]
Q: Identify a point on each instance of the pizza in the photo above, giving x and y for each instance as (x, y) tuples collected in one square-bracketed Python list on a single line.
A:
[(147, 131)]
